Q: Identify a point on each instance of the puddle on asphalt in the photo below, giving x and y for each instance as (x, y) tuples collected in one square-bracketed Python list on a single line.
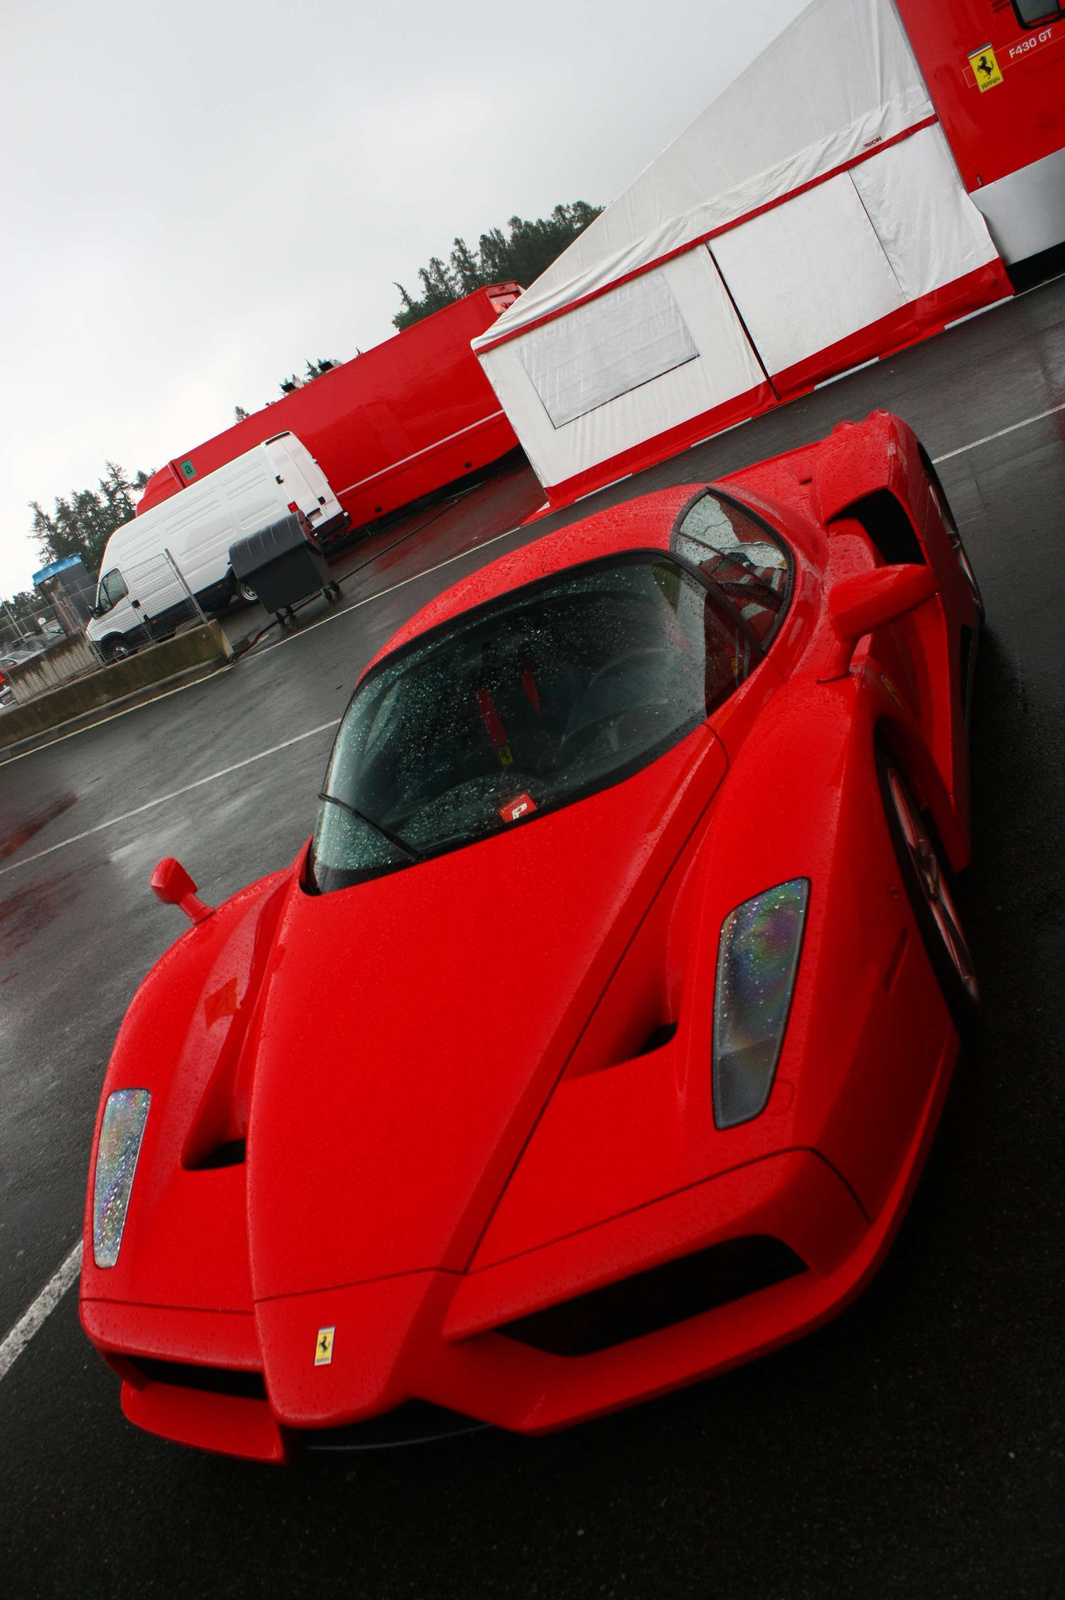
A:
[(33, 907), (12, 838)]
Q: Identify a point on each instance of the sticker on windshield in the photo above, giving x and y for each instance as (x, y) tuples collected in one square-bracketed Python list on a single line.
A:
[(521, 806)]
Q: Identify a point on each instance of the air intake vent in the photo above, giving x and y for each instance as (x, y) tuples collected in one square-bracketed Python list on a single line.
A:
[(657, 1299), (886, 522), (215, 1380), (231, 1154)]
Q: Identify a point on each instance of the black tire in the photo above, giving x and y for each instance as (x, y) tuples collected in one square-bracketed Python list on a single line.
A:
[(931, 894), (117, 649), (970, 578), (215, 608)]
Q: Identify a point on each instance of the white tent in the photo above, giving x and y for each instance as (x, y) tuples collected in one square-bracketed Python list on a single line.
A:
[(810, 219)]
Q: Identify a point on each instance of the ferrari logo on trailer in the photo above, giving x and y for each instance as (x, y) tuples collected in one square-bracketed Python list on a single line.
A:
[(986, 69), (323, 1348)]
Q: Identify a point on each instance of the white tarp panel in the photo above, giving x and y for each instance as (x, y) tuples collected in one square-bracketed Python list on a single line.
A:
[(841, 79), (829, 262), (931, 231), (725, 368), (807, 273), (601, 350)]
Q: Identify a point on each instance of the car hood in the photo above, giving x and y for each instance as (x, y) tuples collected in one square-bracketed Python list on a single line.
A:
[(411, 1029)]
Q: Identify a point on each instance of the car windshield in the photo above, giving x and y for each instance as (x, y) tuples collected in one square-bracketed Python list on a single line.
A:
[(522, 706)]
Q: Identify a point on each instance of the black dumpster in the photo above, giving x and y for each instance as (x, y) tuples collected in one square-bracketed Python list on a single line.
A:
[(281, 565)]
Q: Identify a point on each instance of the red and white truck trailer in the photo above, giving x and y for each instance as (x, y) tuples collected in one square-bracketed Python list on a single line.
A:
[(995, 70), (393, 424), (864, 183)]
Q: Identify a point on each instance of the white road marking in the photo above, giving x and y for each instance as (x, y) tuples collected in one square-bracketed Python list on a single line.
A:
[(127, 711), (33, 1320), (1000, 434), (149, 805)]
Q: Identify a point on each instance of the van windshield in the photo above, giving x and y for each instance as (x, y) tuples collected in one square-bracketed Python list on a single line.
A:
[(521, 707), (111, 589)]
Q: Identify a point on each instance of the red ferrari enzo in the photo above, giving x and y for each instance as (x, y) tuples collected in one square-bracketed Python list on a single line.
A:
[(594, 1042)]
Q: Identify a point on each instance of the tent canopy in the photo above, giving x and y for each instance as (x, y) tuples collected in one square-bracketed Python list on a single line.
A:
[(839, 81), (810, 219)]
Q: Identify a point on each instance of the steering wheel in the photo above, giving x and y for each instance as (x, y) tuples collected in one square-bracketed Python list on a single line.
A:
[(618, 662), (620, 723)]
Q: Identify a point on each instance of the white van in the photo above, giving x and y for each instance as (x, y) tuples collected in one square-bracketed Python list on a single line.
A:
[(197, 527)]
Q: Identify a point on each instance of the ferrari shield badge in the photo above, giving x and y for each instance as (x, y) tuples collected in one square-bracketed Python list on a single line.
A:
[(323, 1348), (986, 70)]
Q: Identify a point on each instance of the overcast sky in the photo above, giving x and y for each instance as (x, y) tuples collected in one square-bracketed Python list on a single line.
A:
[(199, 197)]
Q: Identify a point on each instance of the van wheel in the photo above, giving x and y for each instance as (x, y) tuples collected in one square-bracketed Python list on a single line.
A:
[(247, 592), (224, 593), (117, 649)]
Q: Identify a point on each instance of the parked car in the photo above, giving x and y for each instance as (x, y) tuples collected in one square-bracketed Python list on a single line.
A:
[(595, 1040)]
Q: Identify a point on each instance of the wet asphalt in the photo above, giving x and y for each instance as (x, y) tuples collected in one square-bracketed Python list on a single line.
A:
[(916, 1446)]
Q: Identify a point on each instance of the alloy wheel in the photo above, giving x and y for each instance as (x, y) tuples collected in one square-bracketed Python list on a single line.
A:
[(933, 884)]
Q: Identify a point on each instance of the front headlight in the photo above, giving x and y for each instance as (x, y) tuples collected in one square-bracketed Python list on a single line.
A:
[(121, 1133), (757, 960)]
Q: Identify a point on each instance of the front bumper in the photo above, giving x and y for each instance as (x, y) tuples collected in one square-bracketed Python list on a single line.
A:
[(435, 1336)]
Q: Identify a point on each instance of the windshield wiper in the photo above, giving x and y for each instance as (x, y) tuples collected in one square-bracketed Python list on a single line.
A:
[(378, 827)]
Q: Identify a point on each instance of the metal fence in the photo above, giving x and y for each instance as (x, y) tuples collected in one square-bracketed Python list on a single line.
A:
[(40, 647), (44, 645), (157, 591), (25, 631)]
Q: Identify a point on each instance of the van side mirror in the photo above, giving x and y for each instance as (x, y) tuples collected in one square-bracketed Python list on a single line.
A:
[(173, 886), (869, 600)]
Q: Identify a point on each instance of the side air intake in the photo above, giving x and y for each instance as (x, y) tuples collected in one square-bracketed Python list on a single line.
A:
[(658, 1298)]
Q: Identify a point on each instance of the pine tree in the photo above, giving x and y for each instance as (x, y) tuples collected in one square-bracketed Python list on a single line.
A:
[(525, 254), (82, 524), (465, 268)]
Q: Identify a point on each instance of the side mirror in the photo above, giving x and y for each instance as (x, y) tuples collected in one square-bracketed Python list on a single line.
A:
[(173, 886), (869, 600)]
